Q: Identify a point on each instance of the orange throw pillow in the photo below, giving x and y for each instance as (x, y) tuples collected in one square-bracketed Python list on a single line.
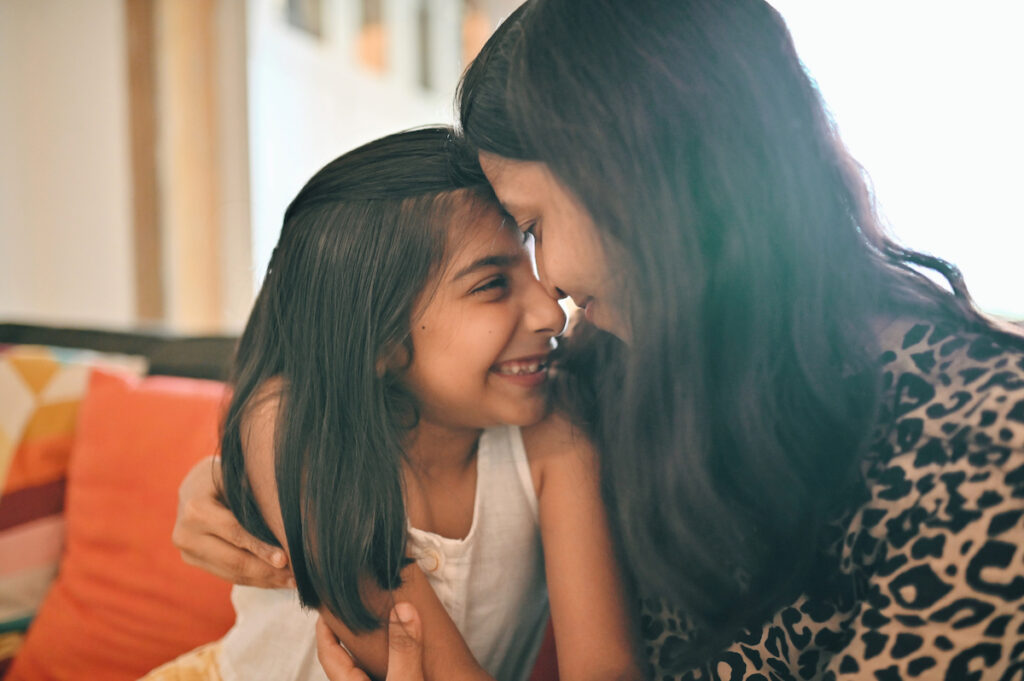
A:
[(124, 602)]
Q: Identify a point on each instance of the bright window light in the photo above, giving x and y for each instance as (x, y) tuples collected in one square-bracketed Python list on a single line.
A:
[(929, 98)]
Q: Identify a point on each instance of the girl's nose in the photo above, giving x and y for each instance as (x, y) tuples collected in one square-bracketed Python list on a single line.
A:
[(552, 290), (544, 314)]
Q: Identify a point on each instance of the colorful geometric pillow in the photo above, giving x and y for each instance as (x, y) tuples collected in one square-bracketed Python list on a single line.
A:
[(40, 391), (124, 602)]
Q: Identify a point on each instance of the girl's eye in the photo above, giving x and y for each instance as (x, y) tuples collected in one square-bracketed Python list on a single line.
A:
[(498, 283)]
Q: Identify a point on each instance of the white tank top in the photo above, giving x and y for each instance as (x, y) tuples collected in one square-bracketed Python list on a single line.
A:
[(491, 583)]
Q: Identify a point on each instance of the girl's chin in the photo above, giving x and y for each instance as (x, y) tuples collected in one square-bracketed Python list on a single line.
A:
[(527, 415)]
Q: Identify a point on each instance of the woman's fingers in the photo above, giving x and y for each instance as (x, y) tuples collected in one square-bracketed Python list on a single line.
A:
[(337, 663), (235, 565), (215, 519), (405, 644), (405, 649), (210, 537)]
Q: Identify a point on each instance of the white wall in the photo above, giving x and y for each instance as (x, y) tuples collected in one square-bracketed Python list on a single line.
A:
[(65, 187), (310, 101)]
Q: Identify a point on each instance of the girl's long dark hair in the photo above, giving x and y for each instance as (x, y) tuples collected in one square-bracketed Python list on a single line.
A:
[(358, 246), (731, 432)]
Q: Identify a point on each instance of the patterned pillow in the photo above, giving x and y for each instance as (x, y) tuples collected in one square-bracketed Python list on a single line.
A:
[(124, 601), (40, 390)]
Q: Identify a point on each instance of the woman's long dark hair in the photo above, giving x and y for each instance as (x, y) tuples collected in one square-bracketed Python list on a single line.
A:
[(756, 267), (358, 246)]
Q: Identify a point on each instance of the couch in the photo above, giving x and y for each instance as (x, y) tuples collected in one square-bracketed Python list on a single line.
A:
[(97, 429)]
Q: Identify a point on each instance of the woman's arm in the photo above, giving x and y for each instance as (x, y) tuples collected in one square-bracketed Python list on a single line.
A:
[(209, 536), (445, 654), (588, 604), (950, 603)]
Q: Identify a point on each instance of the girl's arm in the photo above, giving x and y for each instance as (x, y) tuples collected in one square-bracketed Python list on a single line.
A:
[(445, 654), (588, 604)]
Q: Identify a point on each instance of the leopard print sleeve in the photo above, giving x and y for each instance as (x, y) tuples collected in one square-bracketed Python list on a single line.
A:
[(929, 570), (941, 541)]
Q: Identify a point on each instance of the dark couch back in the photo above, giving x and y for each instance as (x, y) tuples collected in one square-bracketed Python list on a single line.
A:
[(168, 354)]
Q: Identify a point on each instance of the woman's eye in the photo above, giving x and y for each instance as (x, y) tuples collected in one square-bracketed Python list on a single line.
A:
[(499, 282), (528, 232)]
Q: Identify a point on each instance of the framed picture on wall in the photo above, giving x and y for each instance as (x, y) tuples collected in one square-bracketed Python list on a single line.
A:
[(305, 15)]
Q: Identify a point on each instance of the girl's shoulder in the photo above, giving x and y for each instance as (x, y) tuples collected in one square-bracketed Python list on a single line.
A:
[(554, 436), (265, 399), (557, 442)]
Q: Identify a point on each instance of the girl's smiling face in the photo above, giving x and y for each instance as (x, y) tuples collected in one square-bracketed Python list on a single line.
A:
[(481, 334), (572, 258)]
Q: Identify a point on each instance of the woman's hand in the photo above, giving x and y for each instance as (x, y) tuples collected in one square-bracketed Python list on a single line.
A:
[(405, 649), (209, 536)]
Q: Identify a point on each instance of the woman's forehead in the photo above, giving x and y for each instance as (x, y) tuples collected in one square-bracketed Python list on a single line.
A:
[(521, 186)]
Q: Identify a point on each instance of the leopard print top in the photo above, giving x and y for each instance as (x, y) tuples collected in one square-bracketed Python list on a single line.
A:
[(929, 573)]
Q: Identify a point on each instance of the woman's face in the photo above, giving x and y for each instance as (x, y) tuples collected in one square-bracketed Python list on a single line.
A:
[(572, 258)]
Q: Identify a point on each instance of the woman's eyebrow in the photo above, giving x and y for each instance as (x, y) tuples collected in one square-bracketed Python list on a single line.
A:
[(493, 260)]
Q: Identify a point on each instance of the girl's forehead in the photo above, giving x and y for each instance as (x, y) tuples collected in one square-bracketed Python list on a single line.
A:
[(475, 228), (478, 241)]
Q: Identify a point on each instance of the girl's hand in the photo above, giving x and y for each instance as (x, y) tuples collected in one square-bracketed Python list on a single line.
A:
[(405, 649), (209, 536)]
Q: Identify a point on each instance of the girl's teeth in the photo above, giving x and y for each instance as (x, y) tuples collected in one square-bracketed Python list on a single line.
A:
[(519, 369)]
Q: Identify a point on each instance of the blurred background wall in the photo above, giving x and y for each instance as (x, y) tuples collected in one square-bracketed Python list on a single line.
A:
[(65, 176), (148, 148)]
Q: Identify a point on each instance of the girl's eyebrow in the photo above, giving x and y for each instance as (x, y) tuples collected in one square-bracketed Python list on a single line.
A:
[(494, 260), (512, 207)]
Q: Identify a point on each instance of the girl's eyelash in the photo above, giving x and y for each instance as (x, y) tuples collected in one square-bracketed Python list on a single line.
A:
[(499, 281)]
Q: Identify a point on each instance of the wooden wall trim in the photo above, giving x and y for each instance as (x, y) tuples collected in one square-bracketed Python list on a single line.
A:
[(189, 157), (142, 117)]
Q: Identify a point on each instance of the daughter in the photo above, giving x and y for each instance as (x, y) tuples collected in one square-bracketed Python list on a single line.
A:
[(400, 323)]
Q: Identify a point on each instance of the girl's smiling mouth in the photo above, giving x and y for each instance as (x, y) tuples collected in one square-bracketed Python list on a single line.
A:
[(525, 371)]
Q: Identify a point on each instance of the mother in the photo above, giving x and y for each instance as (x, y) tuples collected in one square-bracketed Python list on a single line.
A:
[(814, 455)]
